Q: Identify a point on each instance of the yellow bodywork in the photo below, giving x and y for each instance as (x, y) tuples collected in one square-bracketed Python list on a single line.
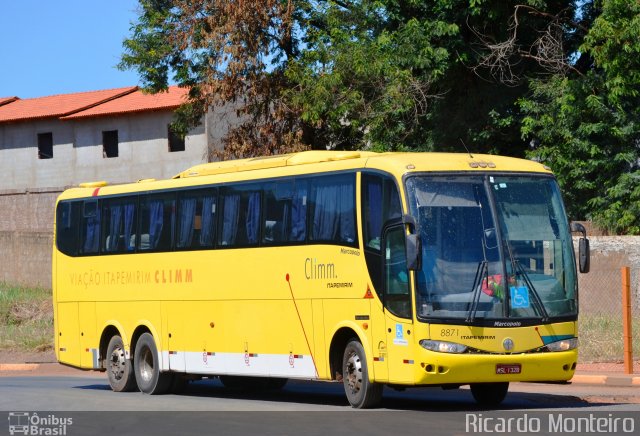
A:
[(266, 311)]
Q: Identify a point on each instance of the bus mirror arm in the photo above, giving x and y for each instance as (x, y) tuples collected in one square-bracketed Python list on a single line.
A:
[(584, 252), (413, 246)]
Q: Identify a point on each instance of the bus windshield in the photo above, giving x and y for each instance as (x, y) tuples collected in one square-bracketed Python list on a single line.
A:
[(493, 247)]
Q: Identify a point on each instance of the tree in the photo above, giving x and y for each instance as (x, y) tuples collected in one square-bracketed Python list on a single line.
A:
[(365, 76), (414, 75), (588, 125), (225, 52), (302, 73)]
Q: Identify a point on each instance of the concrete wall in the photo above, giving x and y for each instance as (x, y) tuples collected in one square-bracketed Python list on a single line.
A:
[(26, 258), (28, 211), (26, 236), (78, 151)]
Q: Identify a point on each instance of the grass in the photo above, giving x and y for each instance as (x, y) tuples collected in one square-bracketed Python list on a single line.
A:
[(26, 318), (600, 337)]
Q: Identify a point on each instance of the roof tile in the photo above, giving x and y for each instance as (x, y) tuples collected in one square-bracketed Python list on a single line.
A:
[(135, 102), (58, 105), (6, 100)]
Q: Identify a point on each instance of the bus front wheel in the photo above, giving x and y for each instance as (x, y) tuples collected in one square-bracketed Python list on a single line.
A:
[(147, 367), (361, 393), (489, 394), (119, 368)]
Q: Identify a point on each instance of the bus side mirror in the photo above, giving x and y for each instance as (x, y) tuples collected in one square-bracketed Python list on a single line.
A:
[(414, 252), (412, 244), (584, 252), (584, 255)]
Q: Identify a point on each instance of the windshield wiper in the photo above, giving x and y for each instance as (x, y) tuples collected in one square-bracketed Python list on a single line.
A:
[(518, 269), (483, 267)]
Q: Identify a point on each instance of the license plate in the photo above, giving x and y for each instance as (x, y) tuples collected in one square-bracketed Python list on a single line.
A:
[(515, 368)]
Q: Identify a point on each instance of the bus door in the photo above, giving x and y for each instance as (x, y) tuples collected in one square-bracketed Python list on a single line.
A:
[(397, 306)]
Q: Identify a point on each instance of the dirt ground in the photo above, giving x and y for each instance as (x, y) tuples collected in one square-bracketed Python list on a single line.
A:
[(17, 356)]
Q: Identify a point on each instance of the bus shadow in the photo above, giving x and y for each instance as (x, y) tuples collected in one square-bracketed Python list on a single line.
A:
[(417, 399)]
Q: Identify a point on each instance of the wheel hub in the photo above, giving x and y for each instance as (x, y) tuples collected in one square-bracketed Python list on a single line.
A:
[(146, 365), (354, 373), (117, 363)]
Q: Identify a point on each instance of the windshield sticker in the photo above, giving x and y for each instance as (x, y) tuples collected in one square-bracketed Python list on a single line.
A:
[(399, 339), (519, 297)]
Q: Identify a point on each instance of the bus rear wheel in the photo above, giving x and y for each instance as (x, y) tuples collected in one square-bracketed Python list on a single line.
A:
[(147, 367), (489, 394), (119, 368), (361, 393)]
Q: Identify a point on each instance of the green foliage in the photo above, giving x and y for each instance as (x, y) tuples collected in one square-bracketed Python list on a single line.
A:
[(360, 83), (26, 318), (588, 125), (562, 75)]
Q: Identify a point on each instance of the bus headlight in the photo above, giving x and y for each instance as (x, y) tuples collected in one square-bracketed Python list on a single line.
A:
[(563, 345), (442, 346)]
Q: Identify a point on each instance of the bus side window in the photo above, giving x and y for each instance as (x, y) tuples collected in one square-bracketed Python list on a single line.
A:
[(397, 298), (157, 218), (240, 217), (90, 228), (119, 225), (196, 219), (334, 214), (277, 211), (285, 218), (67, 222), (380, 203)]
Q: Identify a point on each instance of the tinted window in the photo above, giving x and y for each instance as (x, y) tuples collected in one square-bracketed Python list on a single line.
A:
[(380, 203), (67, 221), (285, 215), (90, 227), (157, 216), (334, 214), (240, 217), (397, 298), (196, 220), (119, 225)]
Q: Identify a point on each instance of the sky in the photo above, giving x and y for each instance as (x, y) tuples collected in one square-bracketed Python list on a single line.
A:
[(50, 47)]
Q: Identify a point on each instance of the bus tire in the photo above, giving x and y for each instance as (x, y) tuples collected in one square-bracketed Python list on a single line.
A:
[(361, 393), (489, 394), (147, 368), (119, 369)]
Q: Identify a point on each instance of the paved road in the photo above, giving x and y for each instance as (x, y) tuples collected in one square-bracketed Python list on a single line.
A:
[(94, 409)]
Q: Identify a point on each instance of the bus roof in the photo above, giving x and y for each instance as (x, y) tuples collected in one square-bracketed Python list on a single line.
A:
[(309, 162)]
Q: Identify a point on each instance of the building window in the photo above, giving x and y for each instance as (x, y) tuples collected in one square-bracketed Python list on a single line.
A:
[(45, 145), (110, 143), (176, 141)]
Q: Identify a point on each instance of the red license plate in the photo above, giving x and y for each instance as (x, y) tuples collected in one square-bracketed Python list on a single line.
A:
[(515, 368)]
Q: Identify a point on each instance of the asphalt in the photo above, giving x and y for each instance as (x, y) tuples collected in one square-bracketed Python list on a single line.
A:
[(600, 378)]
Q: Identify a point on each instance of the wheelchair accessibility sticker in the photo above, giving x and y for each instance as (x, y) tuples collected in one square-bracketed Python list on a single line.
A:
[(519, 297), (399, 339)]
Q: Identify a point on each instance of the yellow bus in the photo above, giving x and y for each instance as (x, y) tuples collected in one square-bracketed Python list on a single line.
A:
[(397, 269)]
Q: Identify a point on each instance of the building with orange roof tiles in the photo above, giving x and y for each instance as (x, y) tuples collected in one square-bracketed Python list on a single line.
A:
[(117, 135), (53, 142)]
